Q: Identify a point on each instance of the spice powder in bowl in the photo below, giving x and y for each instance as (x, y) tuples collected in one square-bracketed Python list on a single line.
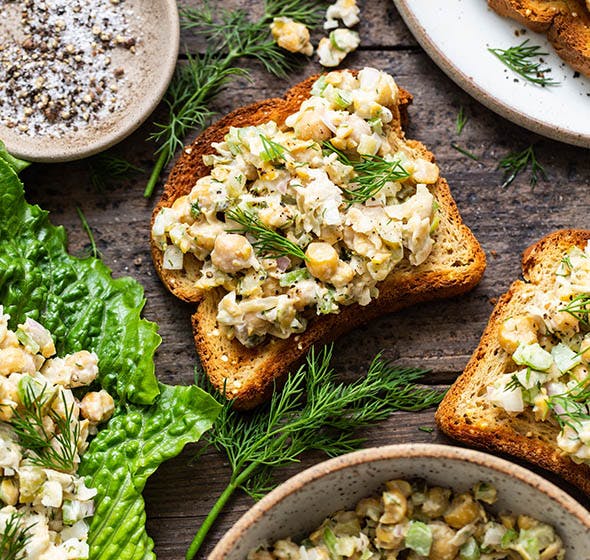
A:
[(71, 70)]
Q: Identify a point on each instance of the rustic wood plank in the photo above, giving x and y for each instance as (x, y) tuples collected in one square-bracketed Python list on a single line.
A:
[(439, 336)]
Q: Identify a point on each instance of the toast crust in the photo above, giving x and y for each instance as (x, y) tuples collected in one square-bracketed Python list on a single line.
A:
[(461, 416), (566, 23), (248, 374)]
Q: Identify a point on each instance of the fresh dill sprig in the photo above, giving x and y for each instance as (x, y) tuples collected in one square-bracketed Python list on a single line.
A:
[(268, 242), (106, 168), (194, 85), (579, 307), (463, 151), (514, 384), (571, 407), (516, 162), (313, 411), (520, 59), (51, 451), (373, 173), (230, 36), (14, 538), (462, 119), (272, 151), (86, 227)]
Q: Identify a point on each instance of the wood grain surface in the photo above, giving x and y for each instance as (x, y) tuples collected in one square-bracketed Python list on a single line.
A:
[(438, 336)]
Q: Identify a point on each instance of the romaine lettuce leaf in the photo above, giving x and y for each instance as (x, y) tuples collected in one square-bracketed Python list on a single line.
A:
[(85, 308), (76, 299), (125, 454)]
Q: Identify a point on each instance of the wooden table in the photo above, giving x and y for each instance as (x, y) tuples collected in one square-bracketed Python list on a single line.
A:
[(439, 336)]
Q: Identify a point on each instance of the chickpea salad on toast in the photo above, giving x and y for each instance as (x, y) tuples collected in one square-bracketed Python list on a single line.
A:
[(295, 218), (525, 391)]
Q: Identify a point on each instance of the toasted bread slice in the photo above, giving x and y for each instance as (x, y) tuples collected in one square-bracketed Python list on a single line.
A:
[(455, 265), (466, 414), (566, 23)]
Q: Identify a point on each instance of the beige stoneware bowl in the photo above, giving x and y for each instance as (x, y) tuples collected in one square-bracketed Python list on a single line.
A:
[(148, 72), (299, 505)]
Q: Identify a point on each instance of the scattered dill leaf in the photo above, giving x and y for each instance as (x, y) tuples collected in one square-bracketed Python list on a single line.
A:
[(268, 242), (272, 151), (463, 151), (86, 227), (520, 59), (462, 119), (373, 173), (516, 162), (427, 429), (579, 307), (571, 407), (14, 538), (313, 411), (51, 451), (108, 168), (230, 36)]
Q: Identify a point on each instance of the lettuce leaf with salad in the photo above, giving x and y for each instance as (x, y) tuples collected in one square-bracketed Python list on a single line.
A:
[(84, 308)]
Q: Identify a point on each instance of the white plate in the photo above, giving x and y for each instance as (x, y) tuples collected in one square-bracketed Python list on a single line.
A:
[(457, 33)]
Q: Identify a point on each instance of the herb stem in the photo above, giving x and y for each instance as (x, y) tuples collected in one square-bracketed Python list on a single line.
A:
[(86, 227), (463, 151), (152, 181), (234, 484)]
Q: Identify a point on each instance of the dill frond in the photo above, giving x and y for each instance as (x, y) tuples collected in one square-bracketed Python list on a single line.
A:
[(463, 151), (107, 168), (313, 411), (268, 242), (579, 307), (521, 59), (14, 538), (230, 36), (373, 173), (272, 151), (516, 162), (462, 119), (51, 451)]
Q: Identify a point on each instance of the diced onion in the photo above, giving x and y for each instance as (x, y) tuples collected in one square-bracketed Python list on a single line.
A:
[(173, 258)]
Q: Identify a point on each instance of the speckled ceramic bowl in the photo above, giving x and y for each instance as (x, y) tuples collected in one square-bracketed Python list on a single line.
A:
[(300, 504), (147, 71)]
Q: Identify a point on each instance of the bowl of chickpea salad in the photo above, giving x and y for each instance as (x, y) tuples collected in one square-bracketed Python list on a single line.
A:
[(411, 502)]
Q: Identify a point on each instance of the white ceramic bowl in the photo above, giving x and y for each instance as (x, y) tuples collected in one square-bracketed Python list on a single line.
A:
[(300, 504)]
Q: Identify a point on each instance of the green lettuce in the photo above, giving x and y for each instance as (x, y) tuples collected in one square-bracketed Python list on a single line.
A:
[(125, 454), (85, 308), (76, 299)]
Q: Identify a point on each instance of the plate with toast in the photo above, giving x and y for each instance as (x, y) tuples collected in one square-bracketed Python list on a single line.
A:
[(458, 36)]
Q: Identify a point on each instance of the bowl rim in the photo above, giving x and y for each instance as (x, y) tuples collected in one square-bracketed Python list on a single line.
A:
[(396, 451)]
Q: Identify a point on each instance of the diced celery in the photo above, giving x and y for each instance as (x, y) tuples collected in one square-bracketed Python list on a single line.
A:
[(533, 356), (326, 303), (419, 538), (565, 358), (485, 492), (376, 125), (343, 98), (470, 550), (509, 536), (330, 540), (319, 85), (27, 341), (293, 276)]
